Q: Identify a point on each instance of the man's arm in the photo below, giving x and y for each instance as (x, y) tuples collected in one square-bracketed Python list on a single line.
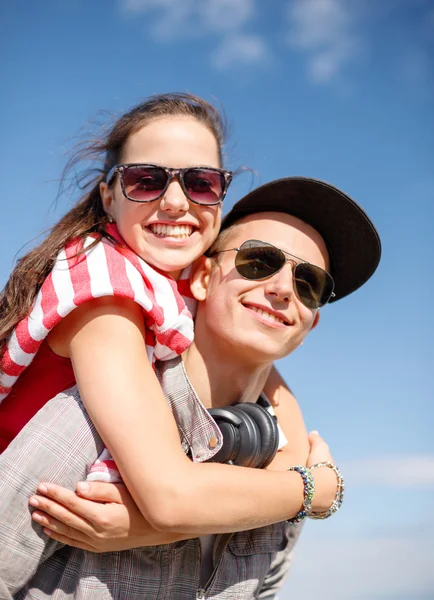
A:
[(58, 445), (290, 419)]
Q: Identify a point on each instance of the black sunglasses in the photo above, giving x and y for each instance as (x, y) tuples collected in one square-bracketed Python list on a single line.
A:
[(146, 183), (257, 260)]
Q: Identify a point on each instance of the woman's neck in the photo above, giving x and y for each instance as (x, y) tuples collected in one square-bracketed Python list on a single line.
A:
[(221, 380)]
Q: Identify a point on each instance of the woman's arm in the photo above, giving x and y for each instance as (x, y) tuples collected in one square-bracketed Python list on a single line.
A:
[(103, 517), (105, 341)]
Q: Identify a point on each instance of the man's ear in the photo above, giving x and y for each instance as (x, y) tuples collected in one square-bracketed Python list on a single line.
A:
[(106, 194), (199, 277), (315, 320)]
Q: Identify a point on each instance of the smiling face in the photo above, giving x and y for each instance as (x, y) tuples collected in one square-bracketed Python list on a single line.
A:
[(171, 232), (257, 320)]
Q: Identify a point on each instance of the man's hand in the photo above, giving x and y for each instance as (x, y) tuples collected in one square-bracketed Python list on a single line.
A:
[(102, 518)]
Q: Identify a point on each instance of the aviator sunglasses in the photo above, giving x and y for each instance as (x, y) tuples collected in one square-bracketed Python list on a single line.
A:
[(258, 260), (146, 183)]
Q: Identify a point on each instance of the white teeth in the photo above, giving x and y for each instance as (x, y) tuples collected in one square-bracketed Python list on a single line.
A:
[(267, 315), (179, 231)]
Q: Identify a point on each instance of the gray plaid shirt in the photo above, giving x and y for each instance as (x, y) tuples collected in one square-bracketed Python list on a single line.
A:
[(59, 445)]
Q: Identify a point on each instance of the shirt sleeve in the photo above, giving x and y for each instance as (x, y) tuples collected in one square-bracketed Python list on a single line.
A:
[(58, 445)]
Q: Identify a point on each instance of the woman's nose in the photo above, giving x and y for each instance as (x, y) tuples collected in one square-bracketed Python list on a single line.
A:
[(174, 199)]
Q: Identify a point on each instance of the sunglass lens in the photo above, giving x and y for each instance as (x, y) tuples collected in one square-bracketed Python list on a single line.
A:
[(144, 184), (259, 262), (314, 285), (204, 186)]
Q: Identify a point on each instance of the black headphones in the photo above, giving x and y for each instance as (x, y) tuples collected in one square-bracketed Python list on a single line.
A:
[(250, 435)]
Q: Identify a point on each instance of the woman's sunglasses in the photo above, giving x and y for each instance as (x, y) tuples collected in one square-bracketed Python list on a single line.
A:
[(258, 260), (146, 183)]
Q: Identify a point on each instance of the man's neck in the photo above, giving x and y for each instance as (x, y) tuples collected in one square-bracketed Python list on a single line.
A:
[(220, 378)]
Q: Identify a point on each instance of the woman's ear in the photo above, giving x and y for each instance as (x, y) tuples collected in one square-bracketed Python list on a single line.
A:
[(106, 196), (199, 277)]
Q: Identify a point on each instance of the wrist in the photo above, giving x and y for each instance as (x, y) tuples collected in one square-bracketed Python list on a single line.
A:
[(325, 489), (323, 471), (308, 492)]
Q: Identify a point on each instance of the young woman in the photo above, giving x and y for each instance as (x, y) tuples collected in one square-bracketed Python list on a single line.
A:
[(152, 210)]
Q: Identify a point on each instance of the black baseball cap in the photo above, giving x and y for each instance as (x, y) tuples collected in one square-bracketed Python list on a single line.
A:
[(352, 241)]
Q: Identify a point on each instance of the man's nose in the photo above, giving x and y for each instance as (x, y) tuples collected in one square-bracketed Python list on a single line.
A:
[(174, 199), (281, 285)]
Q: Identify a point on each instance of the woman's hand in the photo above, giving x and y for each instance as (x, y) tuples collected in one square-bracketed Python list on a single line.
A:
[(102, 518), (325, 478), (319, 450)]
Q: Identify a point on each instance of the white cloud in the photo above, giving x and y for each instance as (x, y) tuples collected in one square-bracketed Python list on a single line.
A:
[(391, 471), (165, 20), (170, 21), (240, 50), (140, 6), (226, 15), (326, 31)]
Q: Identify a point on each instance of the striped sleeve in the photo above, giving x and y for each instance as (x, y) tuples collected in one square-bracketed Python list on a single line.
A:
[(81, 273)]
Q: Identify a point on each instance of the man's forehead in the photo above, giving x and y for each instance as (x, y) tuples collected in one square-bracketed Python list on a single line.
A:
[(270, 223), (280, 229)]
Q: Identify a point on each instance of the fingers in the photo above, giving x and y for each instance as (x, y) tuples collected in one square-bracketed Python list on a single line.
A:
[(319, 450), (314, 436), (315, 439), (65, 506), (64, 539), (52, 525), (100, 492), (50, 512), (66, 498)]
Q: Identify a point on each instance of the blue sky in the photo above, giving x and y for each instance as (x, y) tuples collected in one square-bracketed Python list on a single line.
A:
[(341, 90)]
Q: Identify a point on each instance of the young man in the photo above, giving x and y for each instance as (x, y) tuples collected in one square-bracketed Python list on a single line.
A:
[(259, 291)]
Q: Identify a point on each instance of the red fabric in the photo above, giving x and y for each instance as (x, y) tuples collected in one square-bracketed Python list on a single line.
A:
[(81, 274), (31, 374), (47, 375)]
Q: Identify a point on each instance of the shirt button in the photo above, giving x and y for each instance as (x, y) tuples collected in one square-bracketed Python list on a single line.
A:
[(200, 453), (212, 443)]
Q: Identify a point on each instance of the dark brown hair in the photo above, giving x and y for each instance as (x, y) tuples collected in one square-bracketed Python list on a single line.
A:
[(88, 215)]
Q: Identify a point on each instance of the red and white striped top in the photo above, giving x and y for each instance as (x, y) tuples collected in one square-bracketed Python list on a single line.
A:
[(107, 269)]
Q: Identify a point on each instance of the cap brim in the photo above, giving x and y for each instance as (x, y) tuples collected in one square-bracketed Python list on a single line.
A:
[(352, 241)]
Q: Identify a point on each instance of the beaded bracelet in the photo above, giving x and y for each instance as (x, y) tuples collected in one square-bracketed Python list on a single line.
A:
[(337, 502), (308, 492)]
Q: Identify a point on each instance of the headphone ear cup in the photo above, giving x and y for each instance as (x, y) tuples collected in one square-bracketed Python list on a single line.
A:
[(229, 425), (268, 430), (241, 437), (250, 439)]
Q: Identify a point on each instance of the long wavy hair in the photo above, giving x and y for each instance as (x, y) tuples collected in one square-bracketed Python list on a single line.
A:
[(88, 215)]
